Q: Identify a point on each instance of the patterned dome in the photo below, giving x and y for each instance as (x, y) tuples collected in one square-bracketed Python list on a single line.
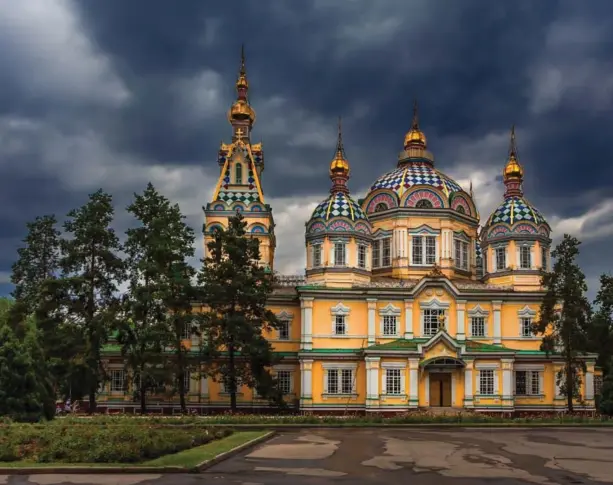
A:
[(516, 209), (404, 177), (338, 205)]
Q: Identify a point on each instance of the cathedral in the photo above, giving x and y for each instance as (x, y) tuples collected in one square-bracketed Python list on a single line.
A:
[(409, 300)]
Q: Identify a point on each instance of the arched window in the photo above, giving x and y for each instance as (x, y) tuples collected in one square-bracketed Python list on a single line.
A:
[(424, 204), (460, 209), (238, 178), (380, 207)]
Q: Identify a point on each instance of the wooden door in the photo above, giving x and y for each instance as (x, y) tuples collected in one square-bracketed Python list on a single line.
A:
[(446, 390), (435, 390)]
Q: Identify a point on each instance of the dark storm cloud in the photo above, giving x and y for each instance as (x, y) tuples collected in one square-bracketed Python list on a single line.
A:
[(152, 88)]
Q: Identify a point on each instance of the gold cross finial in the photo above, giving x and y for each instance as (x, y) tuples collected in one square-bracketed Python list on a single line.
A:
[(239, 134)]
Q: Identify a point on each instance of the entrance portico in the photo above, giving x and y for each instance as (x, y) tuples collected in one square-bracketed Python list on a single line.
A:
[(441, 375)]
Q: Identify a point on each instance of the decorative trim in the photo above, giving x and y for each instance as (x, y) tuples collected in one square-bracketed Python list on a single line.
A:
[(389, 309), (526, 311), (534, 367), (424, 229), (477, 311), (434, 303), (489, 365), (394, 365), (339, 365), (340, 309)]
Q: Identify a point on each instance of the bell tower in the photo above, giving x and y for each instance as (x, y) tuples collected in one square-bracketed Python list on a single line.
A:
[(239, 187)]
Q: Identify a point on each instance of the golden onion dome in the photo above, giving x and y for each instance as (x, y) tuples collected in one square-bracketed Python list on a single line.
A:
[(241, 110), (513, 169), (339, 164), (415, 136)]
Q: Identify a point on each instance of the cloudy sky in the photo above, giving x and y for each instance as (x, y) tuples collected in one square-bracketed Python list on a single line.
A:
[(115, 93)]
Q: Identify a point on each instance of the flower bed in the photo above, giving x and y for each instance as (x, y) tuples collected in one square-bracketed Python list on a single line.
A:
[(95, 442)]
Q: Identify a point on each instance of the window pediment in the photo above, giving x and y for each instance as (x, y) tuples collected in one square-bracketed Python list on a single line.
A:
[(434, 303), (340, 309), (389, 309), (527, 312), (285, 315), (477, 311), (424, 229), (462, 236)]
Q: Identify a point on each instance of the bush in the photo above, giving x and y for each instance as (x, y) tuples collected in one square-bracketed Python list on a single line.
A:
[(98, 443)]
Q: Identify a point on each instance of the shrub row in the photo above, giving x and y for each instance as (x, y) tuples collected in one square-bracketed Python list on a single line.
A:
[(66, 443)]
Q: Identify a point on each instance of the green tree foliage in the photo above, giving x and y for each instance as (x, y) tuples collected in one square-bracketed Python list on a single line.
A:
[(91, 273), (234, 290), (157, 306), (26, 390), (606, 395), (565, 315), (601, 328)]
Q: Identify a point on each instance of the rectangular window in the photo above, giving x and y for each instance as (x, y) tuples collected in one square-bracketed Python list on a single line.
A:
[(340, 381), (430, 250), (525, 259), (461, 254), (418, 250), (431, 321), (526, 327), (527, 383), (339, 254), (393, 383), (501, 259), (340, 326), (284, 381), (389, 325), (362, 256), (386, 252), (376, 254), (117, 380), (186, 334), (544, 258), (477, 326), (317, 255), (424, 250), (486, 382), (284, 330)]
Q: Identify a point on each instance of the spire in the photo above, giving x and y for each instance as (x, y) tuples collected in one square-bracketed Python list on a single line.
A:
[(513, 173), (339, 167), (241, 115), (415, 138)]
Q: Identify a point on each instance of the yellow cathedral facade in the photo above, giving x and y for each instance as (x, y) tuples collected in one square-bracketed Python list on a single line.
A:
[(409, 300)]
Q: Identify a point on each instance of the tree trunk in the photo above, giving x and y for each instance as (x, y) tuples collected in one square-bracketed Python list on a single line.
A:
[(143, 392), (570, 386), (232, 378), (182, 390), (92, 400)]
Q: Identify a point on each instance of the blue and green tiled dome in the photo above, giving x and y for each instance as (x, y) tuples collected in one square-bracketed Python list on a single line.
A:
[(339, 212), (516, 209)]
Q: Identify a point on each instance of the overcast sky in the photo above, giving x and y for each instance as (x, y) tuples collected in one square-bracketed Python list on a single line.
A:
[(112, 94)]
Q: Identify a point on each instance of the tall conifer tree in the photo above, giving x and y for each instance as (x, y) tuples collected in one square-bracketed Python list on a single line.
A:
[(91, 272), (565, 315), (601, 328), (235, 288)]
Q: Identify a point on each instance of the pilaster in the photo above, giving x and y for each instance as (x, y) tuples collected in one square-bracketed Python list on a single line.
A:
[(507, 382), (461, 319), (372, 382), (589, 384), (204, 386), (306, 384), (408, 318), (372, 320), (468, 384), (497, 307), (306, 309), (413, 382)]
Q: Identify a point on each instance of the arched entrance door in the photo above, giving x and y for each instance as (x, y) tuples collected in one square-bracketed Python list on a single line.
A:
[(441, 372)]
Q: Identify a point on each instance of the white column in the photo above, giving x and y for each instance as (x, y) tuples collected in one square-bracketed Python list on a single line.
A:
[(589, 384), (468, 385), (427, 384), (372, 379), (204, 386), (460, 316), (497, 305), (306, 383), (413, 382), (408, 318), (507, 379), (453, 384), (372, 320), (306, 305)]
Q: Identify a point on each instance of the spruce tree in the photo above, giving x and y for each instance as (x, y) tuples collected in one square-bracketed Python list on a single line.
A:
[(601, 327), (565, 315), (158, 303), (91, 272), (234, 289)]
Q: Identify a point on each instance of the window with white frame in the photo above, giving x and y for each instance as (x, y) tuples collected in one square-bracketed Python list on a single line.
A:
[(477, 326), (316, 255), (284, 329), (525, 257), (528, 383), (424, 250), (376, 254), (224, 386), (544, 258), (117, 380), (386, 252), (393, 381), (339, 381), (186, 333), (390, 325), (284, 381), (432, 320), (486, 382), (362, 251), (340, 325), (339, 254), (526, 326), (501, 258), (461, 254)]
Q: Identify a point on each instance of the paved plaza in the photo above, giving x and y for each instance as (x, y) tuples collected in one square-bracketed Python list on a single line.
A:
[(388, 456)]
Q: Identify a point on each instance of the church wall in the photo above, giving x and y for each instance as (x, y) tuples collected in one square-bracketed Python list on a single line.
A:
[(356, 318)]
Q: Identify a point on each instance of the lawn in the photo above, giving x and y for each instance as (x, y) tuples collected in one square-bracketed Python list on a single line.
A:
[(189, 458)]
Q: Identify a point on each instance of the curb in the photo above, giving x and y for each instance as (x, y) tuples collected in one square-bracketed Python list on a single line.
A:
[(114, 470), (234, 451), (298, 427)]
